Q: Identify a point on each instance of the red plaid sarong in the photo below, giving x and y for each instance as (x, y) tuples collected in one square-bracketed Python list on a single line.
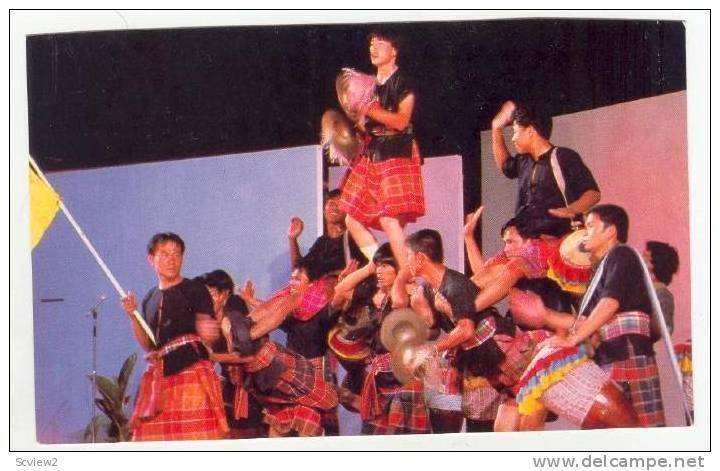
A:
[(638, 376), (326, 367), (391, 188), (315, 297), (625, 323), (390, 411), (299, 397), (189, 405)]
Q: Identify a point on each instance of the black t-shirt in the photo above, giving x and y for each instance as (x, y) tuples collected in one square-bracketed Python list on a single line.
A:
[(623, 280), (329, 253), (171, 313), (309, 338), (460, 292), (538, 191), (389, 143)]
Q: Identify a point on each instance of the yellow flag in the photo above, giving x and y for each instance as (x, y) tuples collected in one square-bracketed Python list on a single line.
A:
[(44, 205)]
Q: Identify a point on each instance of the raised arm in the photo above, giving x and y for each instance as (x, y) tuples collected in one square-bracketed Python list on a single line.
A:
[(294, 231), (345, 287), (500, 287), (502, 119), (475, 255), (271, 314)]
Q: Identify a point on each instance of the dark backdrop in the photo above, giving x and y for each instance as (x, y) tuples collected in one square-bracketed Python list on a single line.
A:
[(119, 97)]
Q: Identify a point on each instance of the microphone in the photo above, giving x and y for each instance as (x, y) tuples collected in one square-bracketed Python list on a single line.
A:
[(97, 304)]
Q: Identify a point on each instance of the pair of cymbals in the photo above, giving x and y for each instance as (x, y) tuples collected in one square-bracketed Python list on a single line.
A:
[(401, 332)]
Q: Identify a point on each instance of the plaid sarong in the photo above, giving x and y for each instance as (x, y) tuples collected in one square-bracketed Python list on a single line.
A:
[(315, 297), (391, 188), (190, 405), (519, 352), (299, 397), (480, 400), (625, 323), (394, 410), (326, 367), (639, 378)]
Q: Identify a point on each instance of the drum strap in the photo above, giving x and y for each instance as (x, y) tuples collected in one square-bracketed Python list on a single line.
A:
[(557, 173)]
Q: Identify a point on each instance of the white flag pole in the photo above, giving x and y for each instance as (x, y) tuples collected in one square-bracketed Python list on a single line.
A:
[(98, 259)]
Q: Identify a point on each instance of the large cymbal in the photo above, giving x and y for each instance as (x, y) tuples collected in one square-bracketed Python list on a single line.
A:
[(355, 91), (338, 135), (403, 327)]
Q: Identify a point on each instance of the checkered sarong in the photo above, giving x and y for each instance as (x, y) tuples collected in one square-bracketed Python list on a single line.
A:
[(392, 411), (480, 400), (639, 378), (519, 352), (391, 188), (573, 397), (190, 405), (315, 297), (326, 367), (298, 398), (625, 323)]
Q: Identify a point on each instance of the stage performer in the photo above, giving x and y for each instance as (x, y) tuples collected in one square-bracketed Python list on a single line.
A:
[(542, 170), (179, 397), (387, 407), (616, 314), (384, 189), (286, 384), (662, 261), (245, 417)]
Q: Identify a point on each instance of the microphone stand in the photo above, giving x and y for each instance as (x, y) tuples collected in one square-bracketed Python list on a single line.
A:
[(94, 311)]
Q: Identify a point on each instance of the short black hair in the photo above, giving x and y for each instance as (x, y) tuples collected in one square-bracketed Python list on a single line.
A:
[(218, 279), (520, 223), (526, 115), (615, 215), (333, 194), (313, 267), (389, 34), (665, 260), (161, 237), (429, 242), (384, 255)]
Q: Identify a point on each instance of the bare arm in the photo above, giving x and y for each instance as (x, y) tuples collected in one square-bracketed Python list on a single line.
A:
[(399, 292), (398, 121), (502, 119), (462, 332), (600, 315), (475, 255), (294, 231), (498, 288), (271, 314), (344, 289), (586, 201), (129, 304)]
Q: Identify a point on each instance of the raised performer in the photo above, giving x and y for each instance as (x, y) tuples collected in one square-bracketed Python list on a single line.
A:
[(384, 187)]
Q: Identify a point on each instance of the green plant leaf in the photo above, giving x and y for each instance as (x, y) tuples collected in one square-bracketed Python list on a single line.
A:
[(109, 388), (126, 371)]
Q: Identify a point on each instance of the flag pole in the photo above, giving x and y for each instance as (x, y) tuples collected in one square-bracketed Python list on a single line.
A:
[(91, 248)]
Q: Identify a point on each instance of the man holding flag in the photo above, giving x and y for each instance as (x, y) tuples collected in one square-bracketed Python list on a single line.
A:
[(179, 396)]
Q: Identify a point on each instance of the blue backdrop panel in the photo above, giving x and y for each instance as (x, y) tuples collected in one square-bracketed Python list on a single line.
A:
[(232, 211)]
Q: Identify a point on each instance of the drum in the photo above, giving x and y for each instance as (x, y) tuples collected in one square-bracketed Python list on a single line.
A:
[(348, 349), (571, 266)]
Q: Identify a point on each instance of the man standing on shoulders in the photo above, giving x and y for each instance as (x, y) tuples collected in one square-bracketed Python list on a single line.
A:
[(555, 186)]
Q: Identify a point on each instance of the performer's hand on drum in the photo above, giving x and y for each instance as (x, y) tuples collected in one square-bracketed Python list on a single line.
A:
[(471, 221), (557, 341), (129, 303), (504, 116), (563, 212), (296, 227)]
